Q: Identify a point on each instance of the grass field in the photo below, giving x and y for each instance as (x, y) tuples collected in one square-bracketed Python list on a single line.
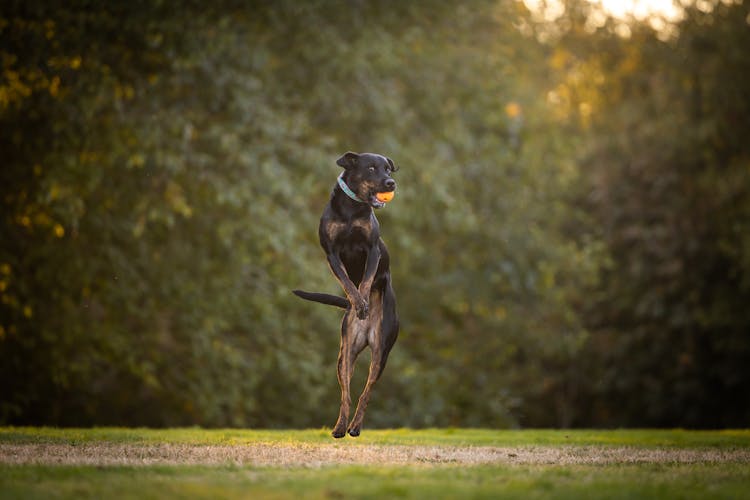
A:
[(403, 463)]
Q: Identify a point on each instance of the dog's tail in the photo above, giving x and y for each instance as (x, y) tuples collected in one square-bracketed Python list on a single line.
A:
[(323, 298)]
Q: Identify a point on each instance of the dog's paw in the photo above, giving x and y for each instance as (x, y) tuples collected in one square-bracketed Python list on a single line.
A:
[(339, 430), (354, 427)]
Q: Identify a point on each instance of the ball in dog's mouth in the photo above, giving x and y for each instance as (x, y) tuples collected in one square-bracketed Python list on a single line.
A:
[(385, 197)]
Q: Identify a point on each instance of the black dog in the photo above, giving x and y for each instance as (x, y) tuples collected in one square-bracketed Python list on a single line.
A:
[(350, 236)]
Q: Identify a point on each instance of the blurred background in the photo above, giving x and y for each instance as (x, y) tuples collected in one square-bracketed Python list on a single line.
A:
[(570, 239)]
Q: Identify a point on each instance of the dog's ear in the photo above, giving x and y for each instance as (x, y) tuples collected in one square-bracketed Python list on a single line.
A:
[(394, 168), (347, 160)]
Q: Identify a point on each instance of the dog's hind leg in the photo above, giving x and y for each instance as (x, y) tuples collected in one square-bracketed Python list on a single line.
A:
[(353, 340), (345, 370), (375, 363), (379, 353)]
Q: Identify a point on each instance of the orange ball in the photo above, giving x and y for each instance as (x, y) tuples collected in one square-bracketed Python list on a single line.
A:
[(386, 196)]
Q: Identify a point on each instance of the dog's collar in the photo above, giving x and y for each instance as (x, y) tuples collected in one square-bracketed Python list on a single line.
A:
[(347, 189)]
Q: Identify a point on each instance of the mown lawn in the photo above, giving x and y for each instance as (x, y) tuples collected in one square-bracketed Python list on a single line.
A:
[(673, 438), (726, 479)]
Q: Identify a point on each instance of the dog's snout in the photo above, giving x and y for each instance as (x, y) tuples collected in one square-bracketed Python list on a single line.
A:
[(390, 184)]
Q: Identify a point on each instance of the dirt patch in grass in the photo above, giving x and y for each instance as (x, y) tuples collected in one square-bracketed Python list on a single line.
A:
[(317, 455)]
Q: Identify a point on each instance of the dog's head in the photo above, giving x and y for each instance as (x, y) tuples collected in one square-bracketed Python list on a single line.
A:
[(368, 174)]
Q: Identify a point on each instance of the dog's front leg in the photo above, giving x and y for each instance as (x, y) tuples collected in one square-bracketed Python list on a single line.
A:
[(371, 267), (358, 302)]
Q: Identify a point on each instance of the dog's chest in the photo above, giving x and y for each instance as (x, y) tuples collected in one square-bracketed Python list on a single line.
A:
[(351, 235), (352, 243)]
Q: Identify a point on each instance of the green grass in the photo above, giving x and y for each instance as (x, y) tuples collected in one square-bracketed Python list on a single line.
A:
[(675, 438), (644, 480), (625, 481)]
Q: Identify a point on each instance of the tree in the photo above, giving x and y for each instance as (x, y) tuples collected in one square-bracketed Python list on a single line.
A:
[(668, 186)]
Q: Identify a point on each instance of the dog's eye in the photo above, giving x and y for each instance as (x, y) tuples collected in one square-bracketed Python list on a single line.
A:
[(372, 169)]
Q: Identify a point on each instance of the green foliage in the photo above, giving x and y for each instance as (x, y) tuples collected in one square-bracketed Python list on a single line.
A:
[(569, 235), (668, 186)]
